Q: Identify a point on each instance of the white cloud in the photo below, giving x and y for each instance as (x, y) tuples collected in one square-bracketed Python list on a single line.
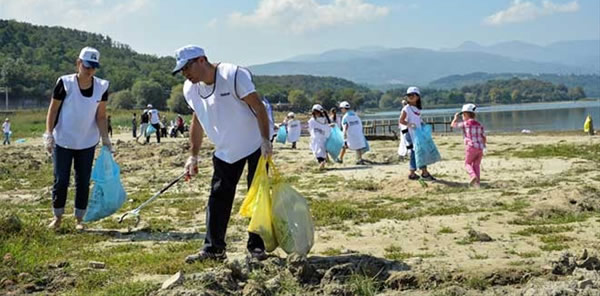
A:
[(299, 16), (522, 11), (212, 24), (85, 15)]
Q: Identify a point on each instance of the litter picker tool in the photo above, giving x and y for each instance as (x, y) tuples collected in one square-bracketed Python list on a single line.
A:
[(136, 212)]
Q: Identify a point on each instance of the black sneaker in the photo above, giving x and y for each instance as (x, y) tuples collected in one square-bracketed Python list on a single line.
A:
[(205, 256), (429, 177), (258, 254), (413, 177)]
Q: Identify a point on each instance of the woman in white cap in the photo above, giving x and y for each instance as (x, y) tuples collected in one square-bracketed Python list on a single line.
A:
[(319, 129), (293, 129), (6, 131), (75, 122), (411, 118), (353, 133)]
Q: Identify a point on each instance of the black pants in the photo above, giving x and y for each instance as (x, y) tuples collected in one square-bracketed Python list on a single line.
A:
[(224, 182), (82, 161), (179, 129), (134, 130), (110, 130), (157, 127)]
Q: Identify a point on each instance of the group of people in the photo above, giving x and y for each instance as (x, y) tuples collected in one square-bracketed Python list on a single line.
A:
[(150, 118), (473, 134), (320, 125), (227, 108)]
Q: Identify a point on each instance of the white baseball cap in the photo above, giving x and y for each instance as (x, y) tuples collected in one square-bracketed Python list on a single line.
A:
[(469, 108), (317, 107), (291, 114), (149, 106), (413, 90), (90, 57), (345, 105), (184, 54)]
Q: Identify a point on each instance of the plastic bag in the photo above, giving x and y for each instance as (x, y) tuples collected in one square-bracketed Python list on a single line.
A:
[(150, 130), (587, 124), (108, 194), (257, 206), (281, 135), (367, 148), (294, 228), (335, 142), (426, 152)]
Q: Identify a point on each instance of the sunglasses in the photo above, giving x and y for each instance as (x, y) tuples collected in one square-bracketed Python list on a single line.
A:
[(411, 95)]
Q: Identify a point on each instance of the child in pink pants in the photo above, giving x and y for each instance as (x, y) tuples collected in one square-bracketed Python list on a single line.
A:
[(475, 141)]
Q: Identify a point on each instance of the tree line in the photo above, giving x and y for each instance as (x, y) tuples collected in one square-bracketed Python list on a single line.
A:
[(32, 58)]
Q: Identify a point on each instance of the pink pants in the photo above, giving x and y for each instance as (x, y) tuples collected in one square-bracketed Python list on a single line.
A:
[(473, 158)]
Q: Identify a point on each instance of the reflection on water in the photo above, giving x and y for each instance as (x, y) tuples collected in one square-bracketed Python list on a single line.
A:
[(535, 117)]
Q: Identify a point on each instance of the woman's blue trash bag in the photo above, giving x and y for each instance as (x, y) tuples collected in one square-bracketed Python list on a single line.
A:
[(108, 194), (281, 135), (150, 130), (426, 152), (367, 148), (335, 142)]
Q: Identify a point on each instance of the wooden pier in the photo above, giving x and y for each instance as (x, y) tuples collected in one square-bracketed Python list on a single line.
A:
[(387, 129)]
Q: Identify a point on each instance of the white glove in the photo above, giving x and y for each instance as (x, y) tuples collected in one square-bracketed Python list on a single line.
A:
[(412, 125), (191, 167), (266, 148), (49, 142), (106, 143)]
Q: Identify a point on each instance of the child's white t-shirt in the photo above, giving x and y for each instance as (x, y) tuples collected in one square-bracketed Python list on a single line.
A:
[(293, 130), (6, 127), (413, 115), (354, 130), (319, 132)]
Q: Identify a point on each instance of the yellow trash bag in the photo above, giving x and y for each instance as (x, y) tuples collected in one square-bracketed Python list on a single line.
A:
[(586, 125), (292, 222), (257, 206)]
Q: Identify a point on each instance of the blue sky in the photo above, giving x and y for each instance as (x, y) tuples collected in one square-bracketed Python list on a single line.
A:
[(257, 31)]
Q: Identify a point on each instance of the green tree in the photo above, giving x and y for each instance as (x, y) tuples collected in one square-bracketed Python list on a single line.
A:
[(148, 92), (576, 93), (298, 99), (386, 101), (122, 100), (176, 101)]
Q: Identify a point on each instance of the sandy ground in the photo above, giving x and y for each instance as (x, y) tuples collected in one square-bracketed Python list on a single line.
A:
[(431, 240)]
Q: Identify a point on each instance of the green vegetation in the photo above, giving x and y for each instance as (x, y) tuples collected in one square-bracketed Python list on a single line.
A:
[(589, 152), (555, 242), (589, 83), (511, 91), (541, 229), (553, 216), (446, 230)]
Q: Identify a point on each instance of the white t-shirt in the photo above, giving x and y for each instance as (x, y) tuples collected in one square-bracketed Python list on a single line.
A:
[(293, 130), (227, 120), (6, 127), (319, 132), (354, 130), (413, 115), (153, 114), (76, 127)]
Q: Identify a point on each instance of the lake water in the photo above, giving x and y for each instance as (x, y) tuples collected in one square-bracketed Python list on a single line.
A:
[(559, 116)]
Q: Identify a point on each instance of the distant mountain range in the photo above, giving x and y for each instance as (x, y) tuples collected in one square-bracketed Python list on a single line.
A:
[(420, 66)]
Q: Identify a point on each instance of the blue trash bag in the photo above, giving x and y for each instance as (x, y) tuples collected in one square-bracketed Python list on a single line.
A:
[(150, 130), (335, 142), (367, 148), (281, 135), (426, 152), (108, 194)]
